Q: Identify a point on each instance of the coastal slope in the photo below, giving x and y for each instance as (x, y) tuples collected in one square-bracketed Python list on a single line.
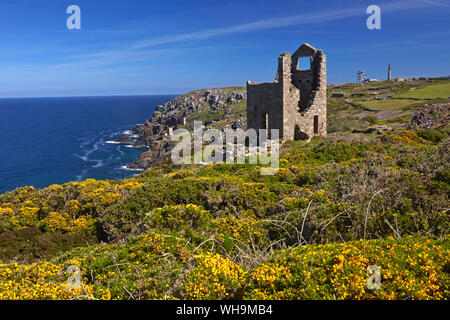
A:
[(374, 192), (216, 108)]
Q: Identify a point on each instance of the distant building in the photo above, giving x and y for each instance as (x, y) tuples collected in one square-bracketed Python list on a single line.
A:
[(360, 75), (370, 80)]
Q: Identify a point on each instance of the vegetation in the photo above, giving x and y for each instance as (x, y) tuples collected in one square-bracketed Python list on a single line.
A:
[(149, 266), (336, 206), (431, 135), (382, 101), (434, 91), (391, 104)]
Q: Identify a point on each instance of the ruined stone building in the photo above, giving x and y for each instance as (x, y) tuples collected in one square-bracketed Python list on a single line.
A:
[(296, 102)]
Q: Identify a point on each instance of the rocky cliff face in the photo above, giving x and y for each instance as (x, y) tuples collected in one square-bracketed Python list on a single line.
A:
[(436, 116), (216, 108)]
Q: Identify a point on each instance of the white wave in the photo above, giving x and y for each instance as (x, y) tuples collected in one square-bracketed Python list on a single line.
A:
[(84, 158), (130, 169), (127, 132), (86, 141), (99, 163), (112, 142), (89, 152)]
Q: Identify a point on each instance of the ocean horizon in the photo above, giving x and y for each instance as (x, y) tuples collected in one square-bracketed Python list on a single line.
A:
[(53, 140)]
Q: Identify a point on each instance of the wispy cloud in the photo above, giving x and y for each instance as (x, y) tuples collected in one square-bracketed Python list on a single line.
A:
[(136, 50), (90, 64), (301, 19), (439, 4), (124, 55), (120, 57)]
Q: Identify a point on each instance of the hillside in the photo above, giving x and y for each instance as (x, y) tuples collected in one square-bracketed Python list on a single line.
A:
[(216, 108), (374, 192), (350, 107)]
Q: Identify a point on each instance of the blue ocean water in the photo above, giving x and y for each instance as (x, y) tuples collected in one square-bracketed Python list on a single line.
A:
[(44, 141)]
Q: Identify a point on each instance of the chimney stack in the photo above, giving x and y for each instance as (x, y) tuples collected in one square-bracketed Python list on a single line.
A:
[(389, 72)]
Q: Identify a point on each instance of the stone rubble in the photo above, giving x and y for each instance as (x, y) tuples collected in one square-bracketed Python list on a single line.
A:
[(432, 117)]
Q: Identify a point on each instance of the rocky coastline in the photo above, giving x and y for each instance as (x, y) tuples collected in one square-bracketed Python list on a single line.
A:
[(216, 108)]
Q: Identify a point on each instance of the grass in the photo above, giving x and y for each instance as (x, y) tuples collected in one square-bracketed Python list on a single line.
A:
[(390, 104), (432, 91)]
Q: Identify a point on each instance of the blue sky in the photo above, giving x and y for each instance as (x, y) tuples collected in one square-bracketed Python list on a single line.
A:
[(128, 47)]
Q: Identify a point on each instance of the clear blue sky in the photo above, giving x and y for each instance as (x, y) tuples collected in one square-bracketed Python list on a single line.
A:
[(128, 47)]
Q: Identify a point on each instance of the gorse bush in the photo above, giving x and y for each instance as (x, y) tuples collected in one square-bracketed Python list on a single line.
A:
[(70, 207), (410, 269), (60, 216), (336, 180), (188, 221), (163, 267), (225, 231), (214, 277)]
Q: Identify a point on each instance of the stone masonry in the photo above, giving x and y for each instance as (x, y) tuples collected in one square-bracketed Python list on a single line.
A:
[(296, 102)]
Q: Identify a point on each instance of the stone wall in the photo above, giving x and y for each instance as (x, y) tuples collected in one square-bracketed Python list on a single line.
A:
[(265, 105), (296, 102)]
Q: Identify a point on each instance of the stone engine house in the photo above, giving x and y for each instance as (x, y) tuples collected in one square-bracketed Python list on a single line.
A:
[(296, 102)]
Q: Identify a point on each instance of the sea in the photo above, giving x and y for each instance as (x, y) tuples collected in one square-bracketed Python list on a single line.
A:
[(46, 141)]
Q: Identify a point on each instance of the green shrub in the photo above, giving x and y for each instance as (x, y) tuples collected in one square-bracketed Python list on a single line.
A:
[(189, 221), (443, 176), (431, 135), (31, 244)]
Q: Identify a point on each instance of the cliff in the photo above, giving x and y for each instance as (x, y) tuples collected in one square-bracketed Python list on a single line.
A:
[(216, 108)]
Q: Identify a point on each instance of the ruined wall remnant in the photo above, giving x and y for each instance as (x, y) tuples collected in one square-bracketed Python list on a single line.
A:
[(296, 102)]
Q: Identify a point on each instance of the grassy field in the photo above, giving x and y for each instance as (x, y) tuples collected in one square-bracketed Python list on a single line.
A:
[(345, 113), (433, 91)]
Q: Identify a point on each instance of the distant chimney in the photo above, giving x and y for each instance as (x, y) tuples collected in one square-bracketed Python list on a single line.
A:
[(389, 72)]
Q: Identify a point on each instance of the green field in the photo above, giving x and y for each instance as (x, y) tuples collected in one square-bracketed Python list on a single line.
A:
[(433, 91), (390, 104)]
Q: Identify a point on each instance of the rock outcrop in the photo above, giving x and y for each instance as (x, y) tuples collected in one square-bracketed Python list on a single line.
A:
[(217, 108), (435, 116), (124, 139)]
